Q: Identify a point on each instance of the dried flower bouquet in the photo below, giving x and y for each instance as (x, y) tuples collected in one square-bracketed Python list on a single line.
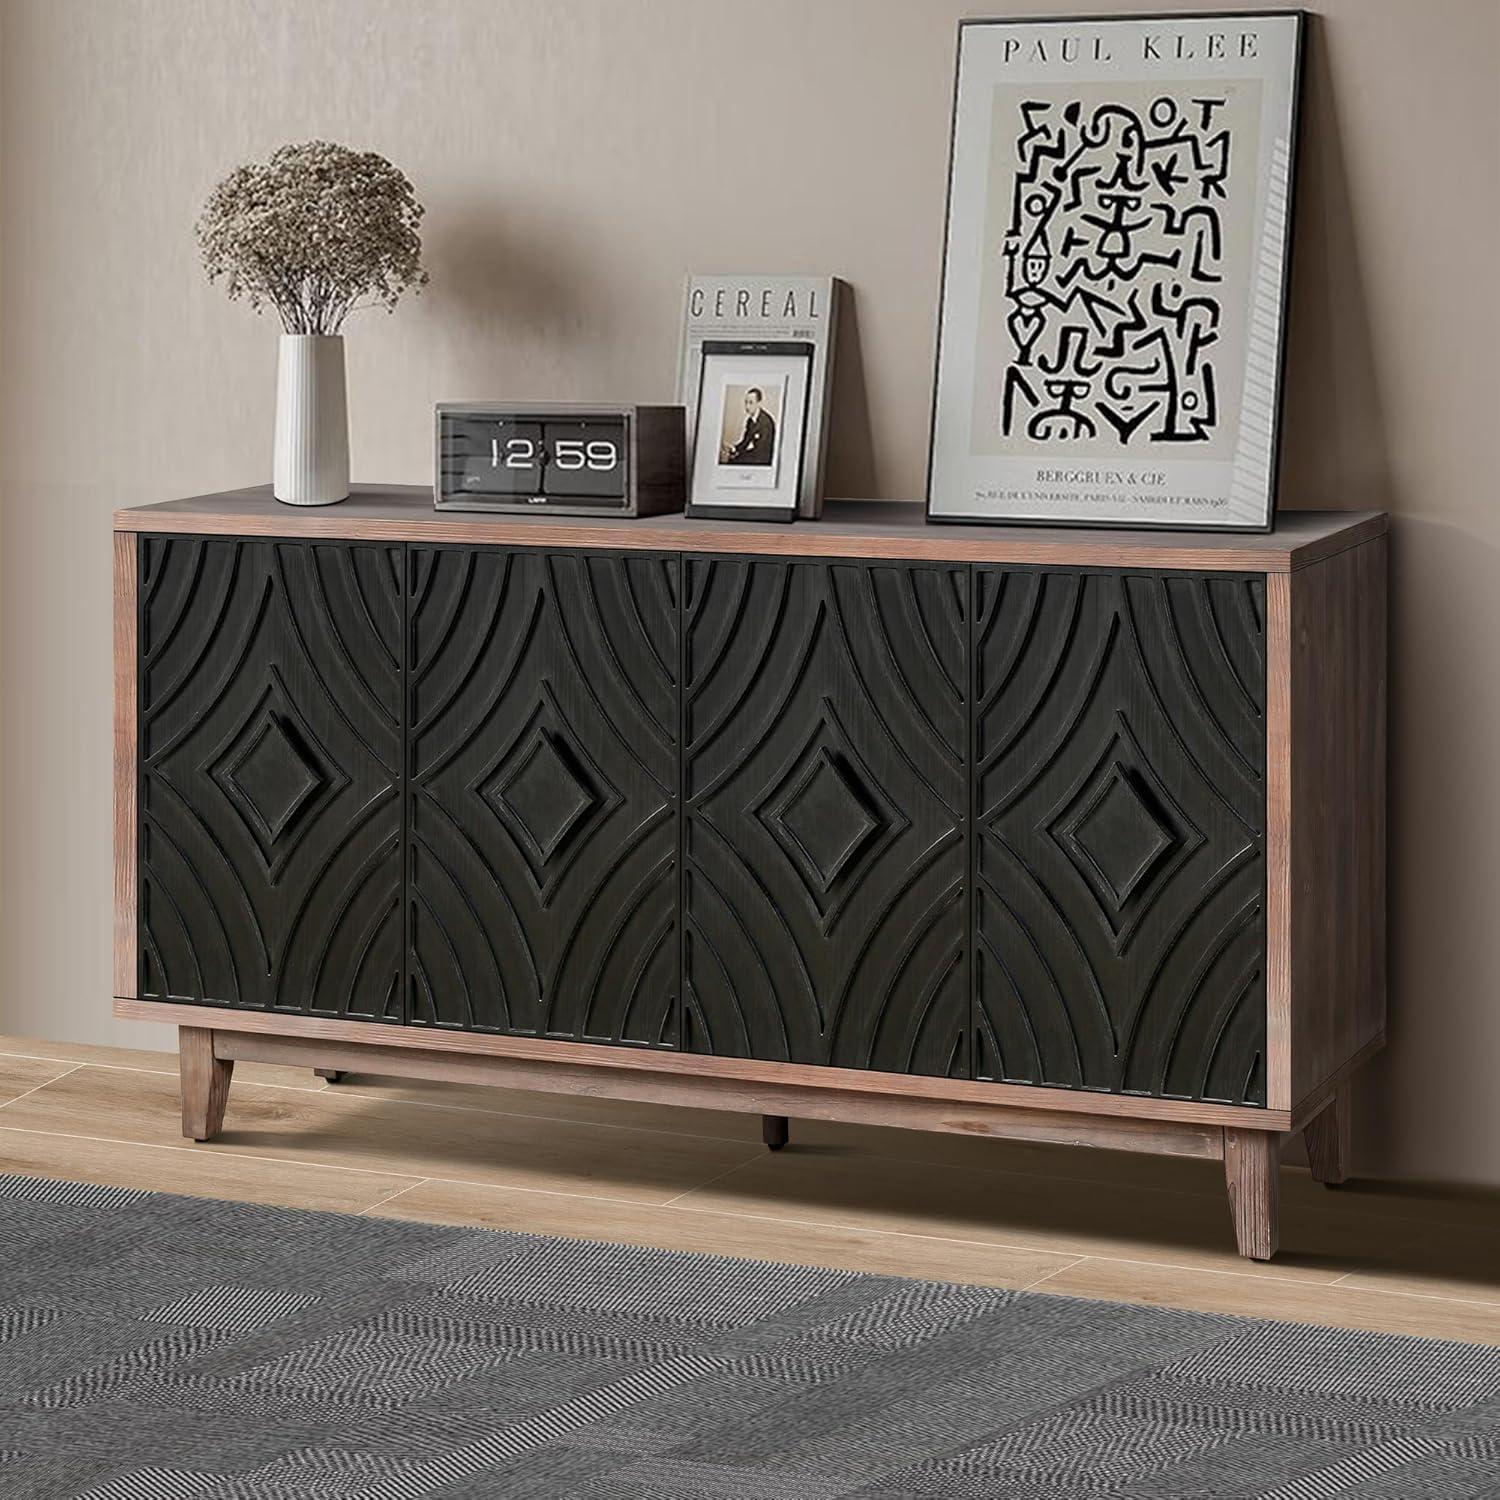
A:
[(317, 232)]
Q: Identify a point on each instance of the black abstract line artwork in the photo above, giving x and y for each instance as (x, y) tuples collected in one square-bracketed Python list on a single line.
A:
[(1113, 265)]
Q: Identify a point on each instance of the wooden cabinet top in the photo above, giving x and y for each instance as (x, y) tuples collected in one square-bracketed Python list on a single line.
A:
[(849, 528)]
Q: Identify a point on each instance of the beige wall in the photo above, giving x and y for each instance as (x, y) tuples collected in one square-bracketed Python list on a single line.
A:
[(576, 156)]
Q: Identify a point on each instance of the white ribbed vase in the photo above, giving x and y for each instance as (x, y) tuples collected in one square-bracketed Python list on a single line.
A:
[(312, 421)]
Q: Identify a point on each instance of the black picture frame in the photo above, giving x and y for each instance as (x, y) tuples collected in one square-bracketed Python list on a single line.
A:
[(1301, 21), (753, 349)]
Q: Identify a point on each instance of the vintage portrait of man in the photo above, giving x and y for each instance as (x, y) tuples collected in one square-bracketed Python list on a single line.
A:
[(750, 413), (757, 441)]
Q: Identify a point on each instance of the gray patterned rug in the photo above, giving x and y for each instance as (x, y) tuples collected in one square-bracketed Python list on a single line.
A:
[(162, 1348)]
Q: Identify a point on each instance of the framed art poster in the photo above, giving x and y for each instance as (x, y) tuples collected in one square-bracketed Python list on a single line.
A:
[(750, 430), (1111, 328)]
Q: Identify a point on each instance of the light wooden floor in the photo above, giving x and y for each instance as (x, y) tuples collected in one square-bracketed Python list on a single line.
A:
[(1073, 1221)]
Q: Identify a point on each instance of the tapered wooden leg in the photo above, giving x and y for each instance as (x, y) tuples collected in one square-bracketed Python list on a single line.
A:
[(1327, 1138), (332, 1075), (773, 1131), (1252, 1169), (205, 1083)]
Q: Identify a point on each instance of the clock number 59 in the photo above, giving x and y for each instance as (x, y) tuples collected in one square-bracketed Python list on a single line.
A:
[(573, 453)]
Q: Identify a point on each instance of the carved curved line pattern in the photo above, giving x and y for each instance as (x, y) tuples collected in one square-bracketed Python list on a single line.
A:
[(638, 620), (951, 664), (776, 923), (380, 924), (603, 946), (186, 580), (367, 614), (1041, 692), (661, 935), (161, 892), (1255, 593), (700, 571), (894, 1009), (453, 600), (422, 1009), (1178, 1005), (1165, 702), (1224, 657), (881, 705), (1171, 709), (618, 646), (1062, 1024), (1178, 940), (204, 702), (720, 654), (822, 803), (461, 987), (991, 591), (1059, 735), (694, 1020), (481, 708), (376, 865), (600, 633), (198, 884), (543, 789), (1205, 708), (318, 878), (369, 640), (285, 857), (461, 695), (1067, 944), (931, 999), (753, 735), (984, 1022), (229, 885), (1231, 1009), (507, 910), (911, 934), (915, 630), (1188, 1004), (740, 1026), (486, 943)]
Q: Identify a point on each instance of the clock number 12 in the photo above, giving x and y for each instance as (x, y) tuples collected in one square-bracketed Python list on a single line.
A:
[(520, 453)]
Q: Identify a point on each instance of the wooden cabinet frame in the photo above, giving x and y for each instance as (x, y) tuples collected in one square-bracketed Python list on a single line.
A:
[(1325, 633)]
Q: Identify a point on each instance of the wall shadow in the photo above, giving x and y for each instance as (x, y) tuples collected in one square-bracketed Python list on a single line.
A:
[(506, 281), (850, 472), (1333, 443)]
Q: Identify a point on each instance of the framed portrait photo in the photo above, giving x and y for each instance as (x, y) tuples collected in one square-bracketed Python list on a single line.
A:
[(1114, 274), (750, 431)]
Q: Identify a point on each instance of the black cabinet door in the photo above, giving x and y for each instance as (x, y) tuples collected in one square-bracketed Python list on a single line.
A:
[(1120, 821), (542, 816), (826, 813), (270, 745)]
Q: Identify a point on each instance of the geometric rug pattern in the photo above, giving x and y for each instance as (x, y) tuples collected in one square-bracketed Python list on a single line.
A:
[(164, 1348)]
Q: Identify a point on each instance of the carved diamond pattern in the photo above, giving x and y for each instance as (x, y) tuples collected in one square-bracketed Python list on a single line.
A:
[(1122, 831), (275, 774), (547, 791), (829, 815), (825, 820), (1120, 836)]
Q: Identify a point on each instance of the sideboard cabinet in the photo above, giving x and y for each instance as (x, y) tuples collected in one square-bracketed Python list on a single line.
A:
[(1061, 835)]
